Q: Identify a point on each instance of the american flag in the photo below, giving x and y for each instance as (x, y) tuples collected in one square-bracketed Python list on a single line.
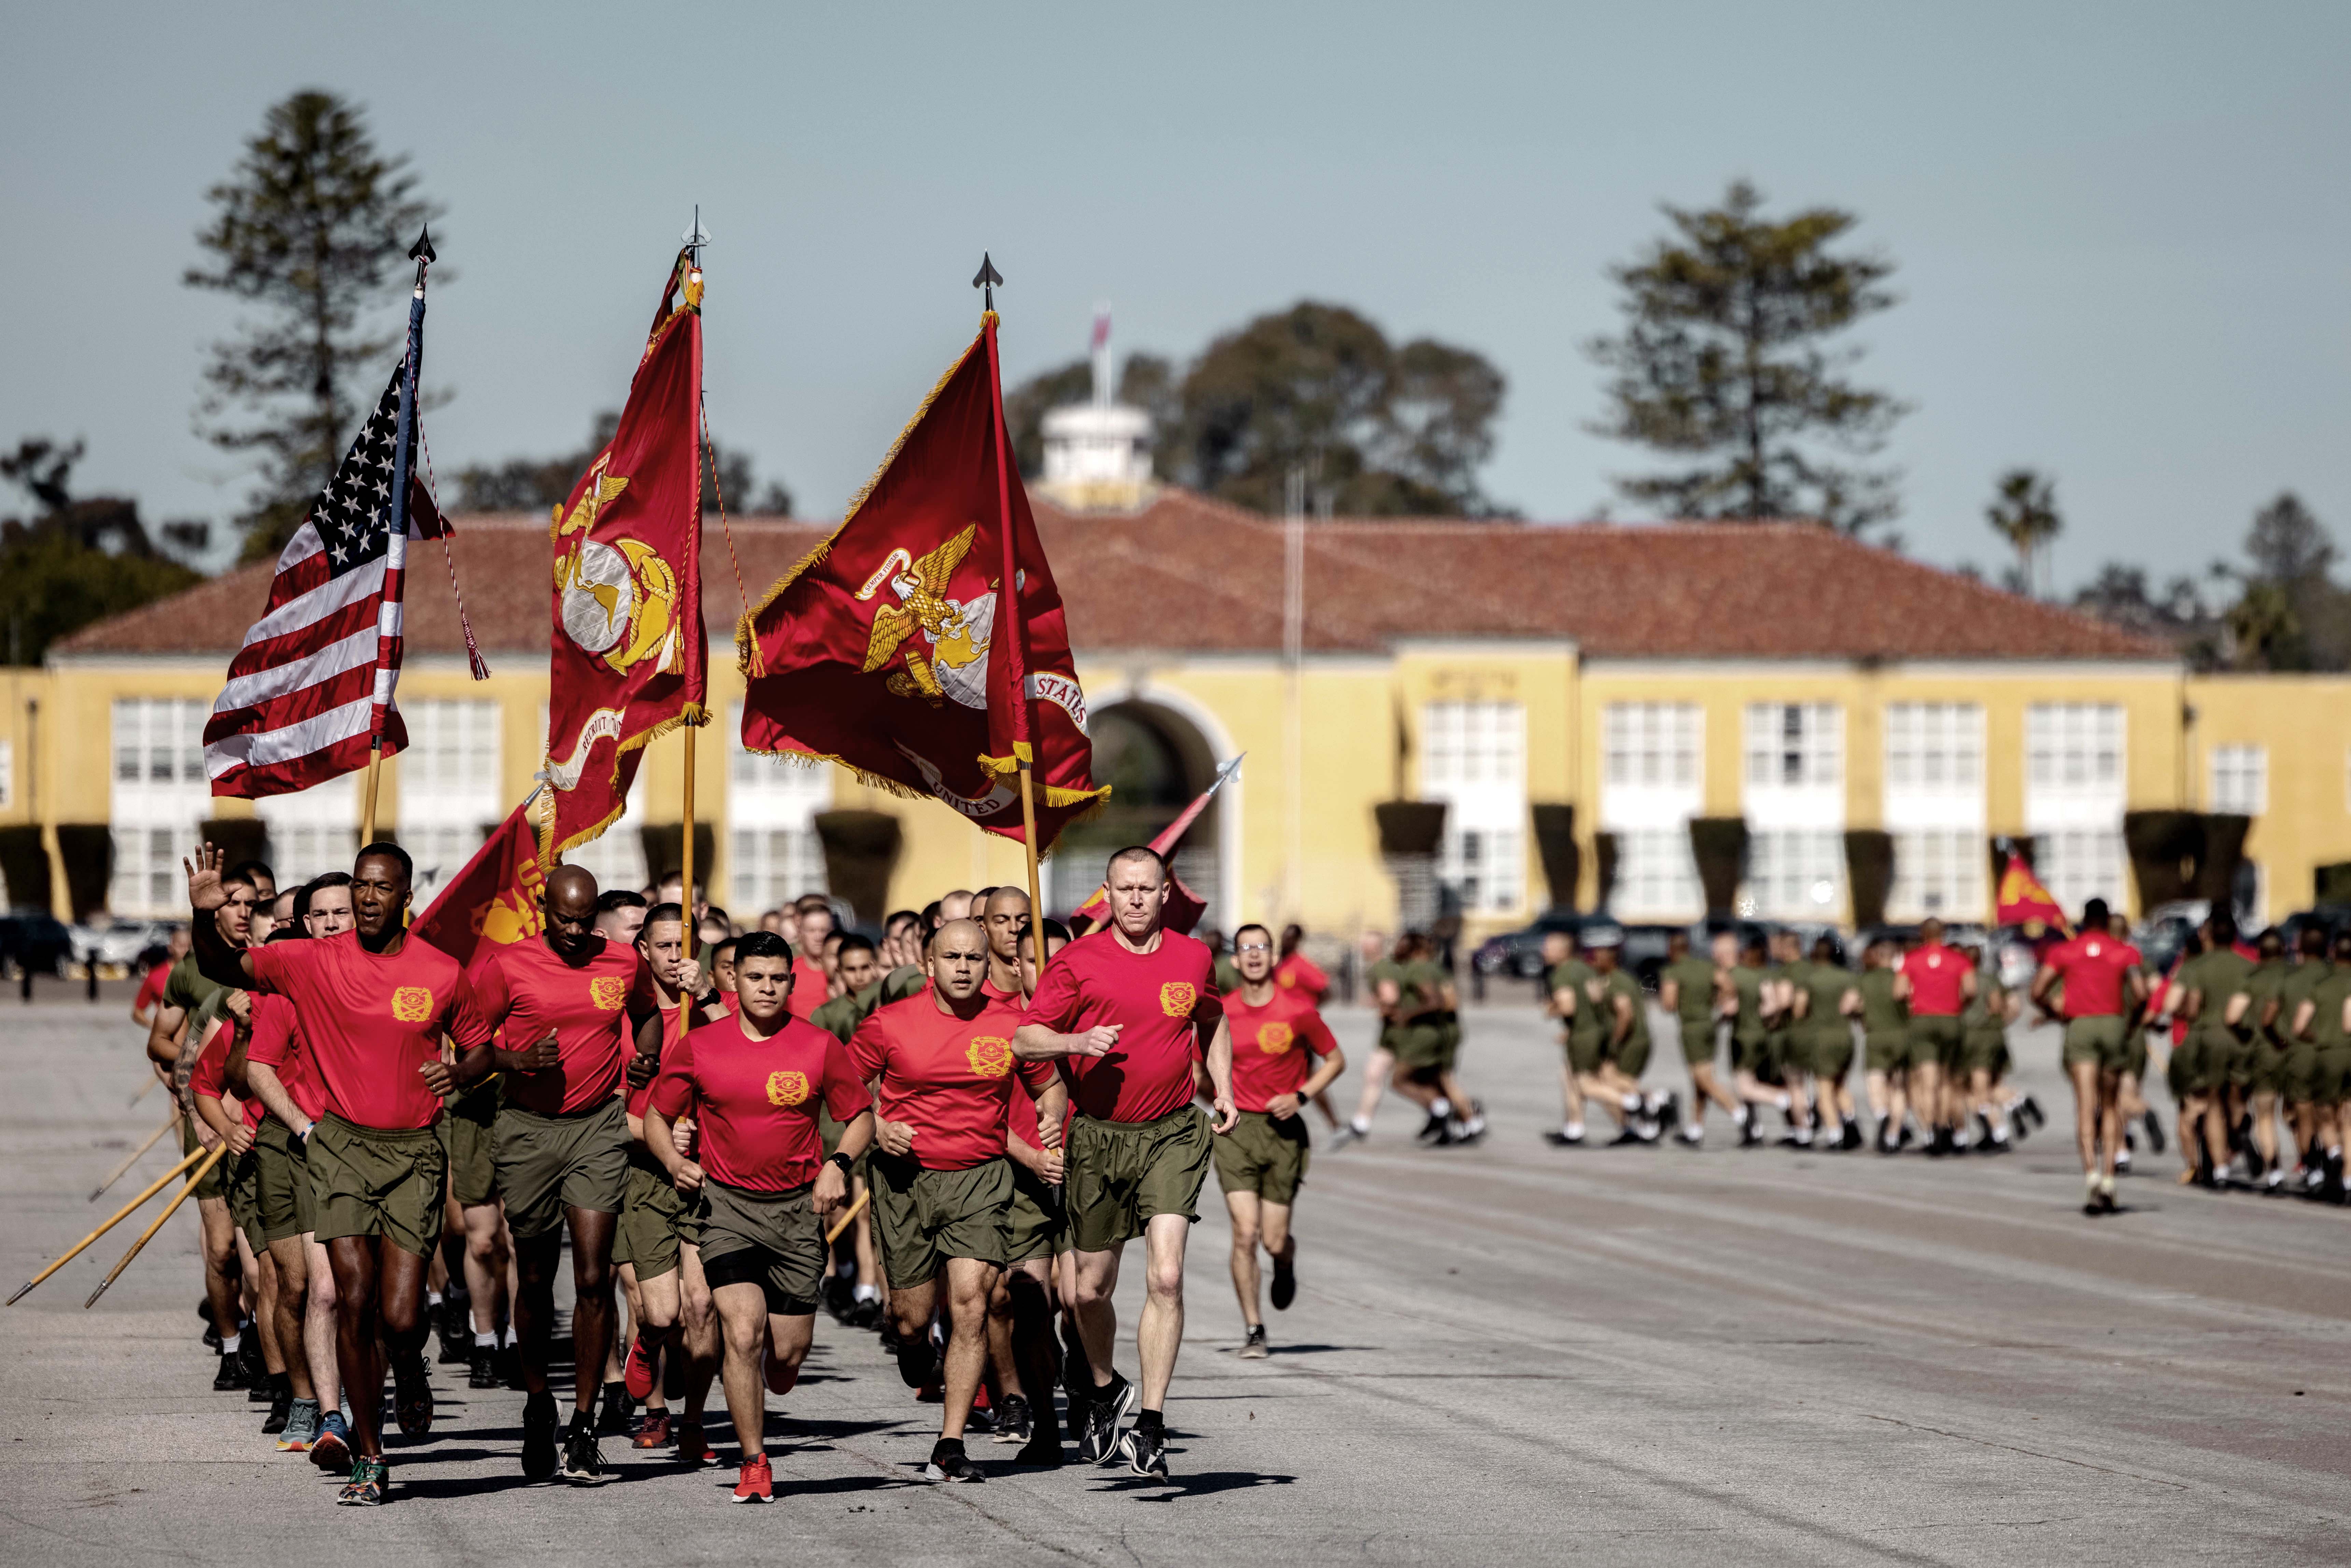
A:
[(313, 685)]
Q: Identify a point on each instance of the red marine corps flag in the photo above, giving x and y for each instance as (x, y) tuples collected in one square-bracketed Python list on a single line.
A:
[(629, 648), (493, 901), (922, 646)]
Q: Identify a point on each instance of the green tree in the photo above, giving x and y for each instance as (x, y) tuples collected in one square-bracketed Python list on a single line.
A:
[(313, 226), (1388, 431), (537, 484), (2024, 513), (77, 562), (1726, 361), (2290, 614)]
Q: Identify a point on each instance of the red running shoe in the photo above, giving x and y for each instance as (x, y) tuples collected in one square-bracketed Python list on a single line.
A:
[(639, 1371), (756, 1482), (653, 1432)]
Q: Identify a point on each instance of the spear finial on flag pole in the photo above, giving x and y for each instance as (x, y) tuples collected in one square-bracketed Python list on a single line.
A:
[(985, 279)]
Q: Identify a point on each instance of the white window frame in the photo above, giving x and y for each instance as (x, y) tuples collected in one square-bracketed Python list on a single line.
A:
[(1939, 871), (1796, 873), (1473, 757), (1652, 782), (2237, 779), (772, 850), (452, 787), (156, 811), (2076, 781), (313, 831)]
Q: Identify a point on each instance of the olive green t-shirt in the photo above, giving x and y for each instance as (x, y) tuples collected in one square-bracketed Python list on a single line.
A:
[(1694, 977), (1827, 983), (1790, 976), (2266, 984), (1577, 976), (2301, 983), (1749, 985), (2326, 1023), (2219, 975), (1228, 975), (1622, 984), (1882, 1011)]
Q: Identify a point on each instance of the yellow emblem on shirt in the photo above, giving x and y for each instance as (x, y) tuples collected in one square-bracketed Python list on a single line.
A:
[(1176, 996), (786, 1088), (411, 1004), (1274, 1038), (608, 992), (990, 1055)]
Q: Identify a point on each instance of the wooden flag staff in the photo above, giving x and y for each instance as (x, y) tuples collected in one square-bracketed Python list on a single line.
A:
[(125, 1212), (170, 1208), (154, 1137)]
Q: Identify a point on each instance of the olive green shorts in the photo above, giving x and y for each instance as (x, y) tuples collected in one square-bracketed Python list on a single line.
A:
[(1779, 1054), (1585, 1049), (1123, 1175), (651, 1206), (1750, 1053), (1034, 1226), (466, 1135), (2268, 1068), (771, 1239), (2331, 1080), (1263, 1156), (2237, 1057), (2135, 1056), (1979, 1049), (2201, 1062), (1886, 1050), (1698, 1042), (549, 1164), (215, 1181), (1419, 1048), (286, 1199), (1936, 1039), (1449, 1040), (372, 1181), (2298, 1073), (2098, 1039), (244, 1196), (1832, 1049), (1632, 1058), (923, 1218)]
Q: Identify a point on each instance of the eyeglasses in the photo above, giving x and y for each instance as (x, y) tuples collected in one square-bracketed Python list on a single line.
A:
[(1254, 947)]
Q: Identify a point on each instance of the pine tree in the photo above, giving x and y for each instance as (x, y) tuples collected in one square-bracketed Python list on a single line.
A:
[(1725, 361), (314, 227)]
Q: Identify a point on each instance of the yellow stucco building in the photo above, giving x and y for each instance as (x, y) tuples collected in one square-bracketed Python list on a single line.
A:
[(1594, 686)]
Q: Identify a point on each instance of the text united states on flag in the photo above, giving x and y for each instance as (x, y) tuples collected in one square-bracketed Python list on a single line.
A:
[(302, 699)]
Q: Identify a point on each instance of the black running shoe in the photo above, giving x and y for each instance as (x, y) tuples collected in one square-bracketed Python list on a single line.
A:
[(540, 1457), (613, 1420), (1670, 1115), (2155, 1139), (281, 1409), (1432, 1130), (1285, 1279), (412, 1387), (456, 1331), (485, 1367), (950, 1463), (1253, 1348), (1014, 1422), (1557, 1138), (510, 1367), (230, 1374), (1749, 1134), (1145, 1450), (1104, 1411), (583, 1464), (865, 1314)]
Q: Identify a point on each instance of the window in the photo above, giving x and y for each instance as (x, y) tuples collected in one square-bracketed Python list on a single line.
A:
[(158, 796), (1940, 872), (1651, 745), (450, 793), (2073, 748), (316, 830), (1796, 873), (2240, 779), (1934, 746), (1795, 745), (1473, 757), (2082, 864), (1657, 874), (772, 850)]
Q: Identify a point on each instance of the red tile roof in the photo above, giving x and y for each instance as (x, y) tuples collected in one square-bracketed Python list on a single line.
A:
[(1193, 575)]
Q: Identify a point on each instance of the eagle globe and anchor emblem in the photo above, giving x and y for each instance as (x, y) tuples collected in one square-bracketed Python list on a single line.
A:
[(618, 599)]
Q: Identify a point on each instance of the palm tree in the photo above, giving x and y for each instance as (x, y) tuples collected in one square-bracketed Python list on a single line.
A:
[(2025, 515)]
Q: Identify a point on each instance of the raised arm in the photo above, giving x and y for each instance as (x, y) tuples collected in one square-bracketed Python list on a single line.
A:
[(216, 959)]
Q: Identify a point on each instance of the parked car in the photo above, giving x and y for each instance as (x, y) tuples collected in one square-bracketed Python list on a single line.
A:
[(1520, 953), (120, 941), (2328, 917), (1645, 951), (35, 940)]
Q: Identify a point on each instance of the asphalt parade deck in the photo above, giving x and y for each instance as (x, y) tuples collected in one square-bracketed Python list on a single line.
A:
[(1501, 1353)]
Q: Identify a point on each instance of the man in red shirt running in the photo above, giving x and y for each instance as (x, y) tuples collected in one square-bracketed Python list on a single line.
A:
[(1126, 1010), (572, 1004), (1938, 982), (374, 1007), (759, 1178), (2093, 967), (942, 1068), (151, 990), (1261, 1164)]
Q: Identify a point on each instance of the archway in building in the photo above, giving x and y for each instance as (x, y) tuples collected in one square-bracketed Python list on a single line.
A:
[(1155, 762)]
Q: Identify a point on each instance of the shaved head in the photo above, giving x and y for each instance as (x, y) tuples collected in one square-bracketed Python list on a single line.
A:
[(958, 963), (568, 905)]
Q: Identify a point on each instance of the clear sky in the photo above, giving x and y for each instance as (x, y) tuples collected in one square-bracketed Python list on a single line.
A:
[(2123, 245)]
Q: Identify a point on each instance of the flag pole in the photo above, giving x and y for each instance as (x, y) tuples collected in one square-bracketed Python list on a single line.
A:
[(125, 1212), (1023, 752), (367, 793), (396, 533), (691, 921), (170, 1208)]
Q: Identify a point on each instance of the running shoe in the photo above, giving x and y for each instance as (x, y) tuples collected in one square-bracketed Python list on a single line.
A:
[(1690, 1135), (330, 1450), (1104, 1411), (1432, 1130), (301, 1428), (866, 1314), (229, 1375), (1629, 1135), (2154, 1127), (456, 1331), (1749, 1134), (281, 1411), (950, 1463), (1145, 1452), (653, 1432), (1560, 1138), (413, 1396), (256, 1370), (1253, 1348), (612, 1417), (484, 1374), (2106, 1195), (509, 1365), (540, 1457), (1014, 1422), (1343, 1134), (637, 1373), (756, 1481), (1852, 1139), (583, 1464), (1284, 1289), (693, 1449), (1669, 1112), (366, 1487)]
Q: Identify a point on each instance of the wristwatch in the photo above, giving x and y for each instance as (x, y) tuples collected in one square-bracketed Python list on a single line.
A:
[(839, 1160)]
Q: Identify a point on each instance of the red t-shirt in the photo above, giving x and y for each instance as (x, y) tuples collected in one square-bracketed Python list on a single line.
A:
[(989, 987), (210, 1076), (527, 989), (1935, 974), (1300, 974), (1268, 1057), (811, 988), (951, 1077), (641, 1095), (2092, 966), (373, 1020), (754, 1100), (151, 990), (277, 1043), (1164, 998)]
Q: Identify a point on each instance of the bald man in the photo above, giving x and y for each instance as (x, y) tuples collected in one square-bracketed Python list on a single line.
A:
[(572, 1006), (1005, 918)]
